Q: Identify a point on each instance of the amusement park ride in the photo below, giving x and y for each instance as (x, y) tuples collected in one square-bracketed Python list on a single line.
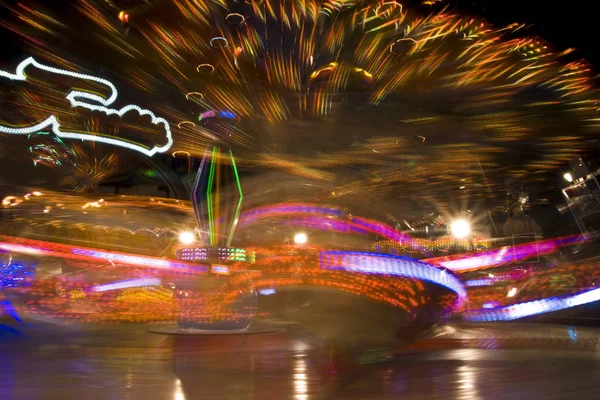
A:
[(213, 287), (217, 200)]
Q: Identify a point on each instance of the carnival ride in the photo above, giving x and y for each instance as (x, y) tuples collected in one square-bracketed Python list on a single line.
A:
[(212, 286), (360, 53)]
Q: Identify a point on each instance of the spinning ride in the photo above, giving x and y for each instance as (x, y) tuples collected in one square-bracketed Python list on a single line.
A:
[(206, 303)]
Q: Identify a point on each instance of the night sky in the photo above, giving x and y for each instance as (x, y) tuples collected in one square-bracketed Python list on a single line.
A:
[(565, 25)]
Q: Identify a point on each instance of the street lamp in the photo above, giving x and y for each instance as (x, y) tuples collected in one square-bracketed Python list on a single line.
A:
[(300, 238)]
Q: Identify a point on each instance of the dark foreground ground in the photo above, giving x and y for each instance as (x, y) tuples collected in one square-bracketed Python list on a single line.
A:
[(47, 362)]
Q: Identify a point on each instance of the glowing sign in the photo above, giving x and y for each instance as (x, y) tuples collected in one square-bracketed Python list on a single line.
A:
[(80, 99)]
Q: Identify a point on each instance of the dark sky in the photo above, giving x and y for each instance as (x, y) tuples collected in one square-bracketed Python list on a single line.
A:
[(564, 24)]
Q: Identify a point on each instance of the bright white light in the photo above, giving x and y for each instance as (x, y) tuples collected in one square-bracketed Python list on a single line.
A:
[(460, 228), (178, 394), (568, 177), (187, 237), (90, 102), (300, 238), (512, 292), (132, 283), (11, 201)]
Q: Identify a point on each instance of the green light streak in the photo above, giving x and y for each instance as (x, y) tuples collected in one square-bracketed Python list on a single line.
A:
[(211, 175), (239, 206)]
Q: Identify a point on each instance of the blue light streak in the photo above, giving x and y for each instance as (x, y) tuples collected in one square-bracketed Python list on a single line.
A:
[(375, 263), (531, 308)]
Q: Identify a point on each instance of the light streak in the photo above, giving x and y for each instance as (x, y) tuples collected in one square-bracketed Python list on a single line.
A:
[(482, 282), (531, 308), (17, 248), (504, 255), (401, 40), (127, 259), (217, 39), (96, 204), (329, 67), (130, 283), (211, 227), (11, 201), (280, 210), (231, 18), (74, 98), (187, 96), (7, 308), (213, 113), (239, 205), (220, 270), (227, 114), (207, 114), (375, 263), (185, 122), (199, 205), (205, 65), (123, 16), (42, 248)]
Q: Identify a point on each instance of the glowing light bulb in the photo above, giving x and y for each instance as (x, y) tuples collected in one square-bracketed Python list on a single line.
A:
[(460, 228), (300, 238), (187, 237)]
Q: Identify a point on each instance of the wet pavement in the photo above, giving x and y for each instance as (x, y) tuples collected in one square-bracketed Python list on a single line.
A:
[(47, 362)]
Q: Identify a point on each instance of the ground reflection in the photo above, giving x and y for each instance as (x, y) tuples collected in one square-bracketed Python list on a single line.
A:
[(128, 362)]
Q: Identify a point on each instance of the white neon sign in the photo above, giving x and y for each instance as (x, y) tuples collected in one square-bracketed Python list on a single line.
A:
[(78, 99)]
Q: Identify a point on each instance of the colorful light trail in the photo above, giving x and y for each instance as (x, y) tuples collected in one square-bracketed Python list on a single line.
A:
[(90, 102)]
